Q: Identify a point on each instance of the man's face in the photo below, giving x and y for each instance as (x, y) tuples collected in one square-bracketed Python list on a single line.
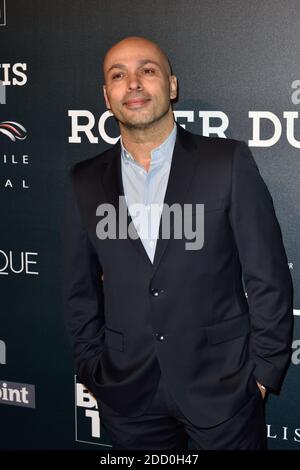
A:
[(138, 85)]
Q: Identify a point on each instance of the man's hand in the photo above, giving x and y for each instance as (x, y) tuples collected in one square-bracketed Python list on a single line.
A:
[(262, 389)]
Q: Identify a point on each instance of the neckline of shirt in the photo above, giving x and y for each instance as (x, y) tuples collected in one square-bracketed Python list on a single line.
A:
[(162, 153)]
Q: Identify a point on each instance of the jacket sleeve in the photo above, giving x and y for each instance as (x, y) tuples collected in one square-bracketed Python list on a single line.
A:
[(82, 293), (265, 269)]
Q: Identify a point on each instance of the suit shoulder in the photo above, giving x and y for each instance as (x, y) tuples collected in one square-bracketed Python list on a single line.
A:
[(213, 144), (219, 143), (220, 148), (92, 165)]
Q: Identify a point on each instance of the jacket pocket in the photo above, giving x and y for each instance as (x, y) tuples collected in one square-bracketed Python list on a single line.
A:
[(114, 339), (229, 329)]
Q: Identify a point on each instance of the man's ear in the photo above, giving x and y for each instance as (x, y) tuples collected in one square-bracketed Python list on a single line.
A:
[(173, 87), (105, 97)]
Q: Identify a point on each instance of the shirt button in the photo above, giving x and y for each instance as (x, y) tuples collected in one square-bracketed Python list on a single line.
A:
[(151, 244), (155, 292)]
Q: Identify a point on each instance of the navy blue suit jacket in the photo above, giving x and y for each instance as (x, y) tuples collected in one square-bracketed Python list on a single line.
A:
[(186, 315)]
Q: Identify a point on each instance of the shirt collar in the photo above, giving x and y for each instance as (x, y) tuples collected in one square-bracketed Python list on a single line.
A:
[(162, 153)]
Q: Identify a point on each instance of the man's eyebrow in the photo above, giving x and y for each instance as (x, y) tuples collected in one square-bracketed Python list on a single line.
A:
[(149, 61), (140, 62)]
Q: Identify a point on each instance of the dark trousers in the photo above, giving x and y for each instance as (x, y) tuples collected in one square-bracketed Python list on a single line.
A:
[(164, 427)]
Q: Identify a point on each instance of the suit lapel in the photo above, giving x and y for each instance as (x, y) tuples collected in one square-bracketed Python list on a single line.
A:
[(113, 186), (182, 171)]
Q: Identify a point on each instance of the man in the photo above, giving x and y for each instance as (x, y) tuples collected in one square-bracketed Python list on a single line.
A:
[(164, 336)]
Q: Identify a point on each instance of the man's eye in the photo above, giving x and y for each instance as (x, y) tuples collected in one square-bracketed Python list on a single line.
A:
[(117, 76)]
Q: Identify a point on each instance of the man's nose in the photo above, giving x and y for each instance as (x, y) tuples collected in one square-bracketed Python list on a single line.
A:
[(134, 82)]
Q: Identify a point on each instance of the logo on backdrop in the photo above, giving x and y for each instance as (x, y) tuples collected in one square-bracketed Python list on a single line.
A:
[(2, 13), (2, 352), (18, 263), (291, 264), (295, 359), (16, 161), (13, 130), (17, 394), (11, 75), (283, 433), (83, 123), (2, 93), (87, 423)]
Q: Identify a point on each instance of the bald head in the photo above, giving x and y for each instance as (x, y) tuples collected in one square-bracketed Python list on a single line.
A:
[(131, 45)]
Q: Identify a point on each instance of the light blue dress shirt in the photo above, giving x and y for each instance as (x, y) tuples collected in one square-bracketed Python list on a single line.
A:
[(145, 191)]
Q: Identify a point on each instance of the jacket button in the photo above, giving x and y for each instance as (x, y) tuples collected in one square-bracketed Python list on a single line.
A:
[(160, 337), (155, 292)]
